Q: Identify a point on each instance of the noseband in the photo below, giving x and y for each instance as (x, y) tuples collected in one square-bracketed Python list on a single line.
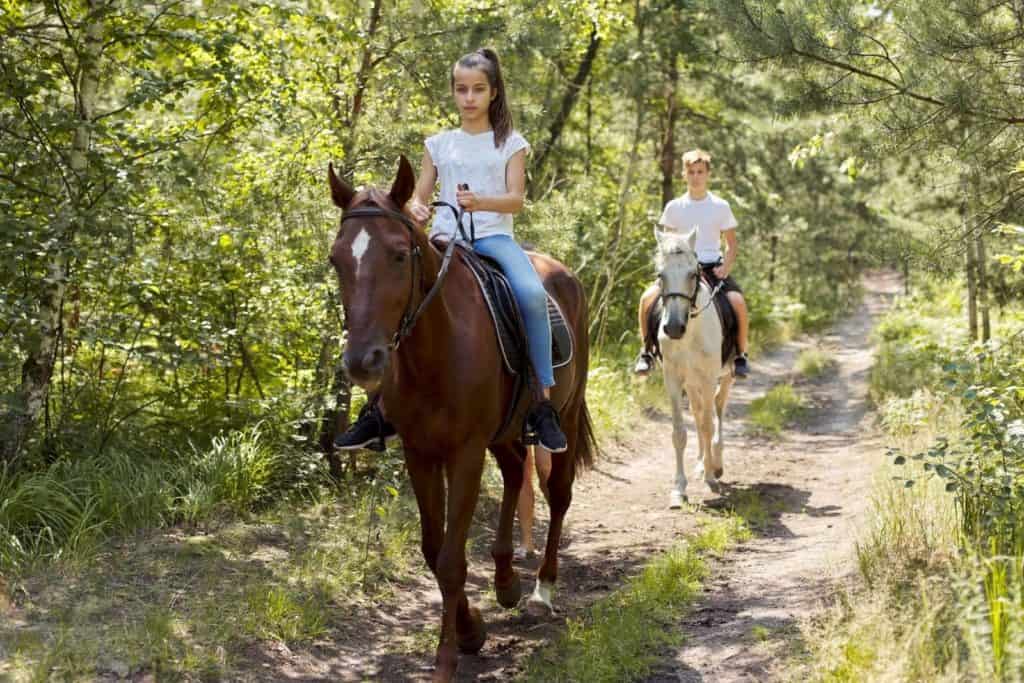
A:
[(694, 311), (411, 315)]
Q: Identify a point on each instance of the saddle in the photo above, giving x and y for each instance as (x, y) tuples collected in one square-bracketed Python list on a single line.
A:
[(726, 316), (508, 322)]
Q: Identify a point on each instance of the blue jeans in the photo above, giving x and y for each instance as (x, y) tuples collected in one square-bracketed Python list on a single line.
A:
[(531, 296)]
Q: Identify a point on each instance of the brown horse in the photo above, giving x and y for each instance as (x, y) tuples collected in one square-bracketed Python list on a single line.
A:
[(419, 332)]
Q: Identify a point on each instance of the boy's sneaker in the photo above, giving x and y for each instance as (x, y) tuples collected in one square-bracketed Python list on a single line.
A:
[(740, 367), (370, 431), (644, 363)]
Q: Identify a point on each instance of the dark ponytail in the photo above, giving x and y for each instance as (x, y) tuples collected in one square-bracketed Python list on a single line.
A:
[(485, 59)]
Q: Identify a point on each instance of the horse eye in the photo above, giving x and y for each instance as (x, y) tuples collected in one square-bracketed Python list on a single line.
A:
[(399, 257)]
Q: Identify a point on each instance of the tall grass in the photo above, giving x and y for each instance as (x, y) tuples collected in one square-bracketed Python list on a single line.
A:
[(61, 511)]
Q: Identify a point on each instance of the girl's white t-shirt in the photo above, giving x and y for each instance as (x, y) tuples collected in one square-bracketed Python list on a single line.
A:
[(709, 216), (460, 157)]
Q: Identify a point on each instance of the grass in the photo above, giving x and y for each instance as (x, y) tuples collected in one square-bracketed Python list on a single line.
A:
[(621, 636), (64, 511), (615, 395), (779, 406), (814, 362)]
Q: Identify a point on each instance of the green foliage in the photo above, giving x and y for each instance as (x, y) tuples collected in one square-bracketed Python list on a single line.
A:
[(779, 406), (814, 362), (986, 467), (197, 298), (914, 341)]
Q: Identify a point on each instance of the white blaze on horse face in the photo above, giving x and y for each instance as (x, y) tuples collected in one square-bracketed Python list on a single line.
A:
[(359, 246)]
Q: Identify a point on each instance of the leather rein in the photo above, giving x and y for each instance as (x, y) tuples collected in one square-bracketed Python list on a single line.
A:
[(411, 314)]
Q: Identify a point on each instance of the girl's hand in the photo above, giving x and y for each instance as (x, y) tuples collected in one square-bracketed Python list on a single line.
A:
[(468, 200), (419, 211)]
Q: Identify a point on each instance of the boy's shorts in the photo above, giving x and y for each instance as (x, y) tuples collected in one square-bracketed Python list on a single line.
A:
[(728, 284)]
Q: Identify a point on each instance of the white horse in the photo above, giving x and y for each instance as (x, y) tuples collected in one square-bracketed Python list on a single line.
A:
[(690, 334)]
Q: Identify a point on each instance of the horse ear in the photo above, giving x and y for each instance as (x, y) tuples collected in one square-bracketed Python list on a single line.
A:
[(405, 182), (341, 193), (691, 239)]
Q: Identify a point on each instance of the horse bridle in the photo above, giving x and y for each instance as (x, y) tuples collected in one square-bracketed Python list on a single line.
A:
[(694, 312), (410, 316)]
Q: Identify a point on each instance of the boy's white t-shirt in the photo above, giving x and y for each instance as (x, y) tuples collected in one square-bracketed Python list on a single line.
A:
[(461, 157), (709, 216)]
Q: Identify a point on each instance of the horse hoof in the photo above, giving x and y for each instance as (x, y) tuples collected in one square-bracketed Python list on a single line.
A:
[(676, 500), (509, 595), (470, 643), (538, 608), (719, 472), (539, 604), (714, 485), (444, 668)]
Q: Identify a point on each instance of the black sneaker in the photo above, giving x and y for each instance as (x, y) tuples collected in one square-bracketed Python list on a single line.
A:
[(740, 367), (370, 431), (547, 432), (644, 363)]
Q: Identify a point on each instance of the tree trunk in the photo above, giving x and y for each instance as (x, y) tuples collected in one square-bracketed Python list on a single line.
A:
[(335, 419), (37, 369), (568, 102), (590, 123), (668, 147), (986, 328), (362, 79), (774, 256), (972, 292)]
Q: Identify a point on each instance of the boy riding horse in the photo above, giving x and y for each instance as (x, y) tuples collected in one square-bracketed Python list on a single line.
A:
[(711, 216)]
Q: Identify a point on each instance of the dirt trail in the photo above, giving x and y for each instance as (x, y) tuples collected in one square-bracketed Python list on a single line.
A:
[(812, 486)]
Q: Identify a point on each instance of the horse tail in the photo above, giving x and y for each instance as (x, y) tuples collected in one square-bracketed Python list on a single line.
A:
[(586, 442)]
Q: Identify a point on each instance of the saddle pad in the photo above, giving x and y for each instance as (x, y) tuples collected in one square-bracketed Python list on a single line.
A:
[(730, 327), (508, 322), (726, 316)]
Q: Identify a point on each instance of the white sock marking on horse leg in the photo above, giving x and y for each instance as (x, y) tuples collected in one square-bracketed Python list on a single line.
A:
[(359, 246), (542, 593)]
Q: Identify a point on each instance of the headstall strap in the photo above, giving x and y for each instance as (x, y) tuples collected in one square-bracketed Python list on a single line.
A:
[(410, 317)]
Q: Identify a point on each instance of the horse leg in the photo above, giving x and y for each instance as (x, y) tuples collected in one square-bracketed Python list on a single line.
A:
[(462, 627), (675, 390), (704, 416), (506, 581), (718, 444), (428, 484), (563, 472)]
